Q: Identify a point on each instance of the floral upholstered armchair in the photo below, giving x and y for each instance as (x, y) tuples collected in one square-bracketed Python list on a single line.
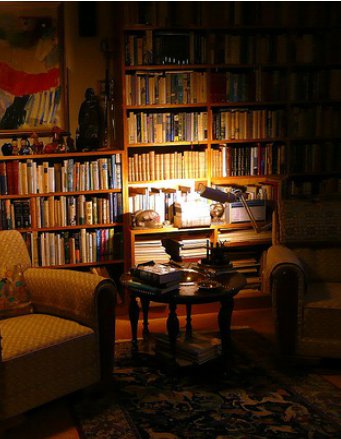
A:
[(57, 329), (302, 272)]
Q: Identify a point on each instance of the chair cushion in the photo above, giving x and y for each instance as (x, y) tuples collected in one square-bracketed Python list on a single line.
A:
[(44, 357), (14, 295), (322, 311), (30, 333)]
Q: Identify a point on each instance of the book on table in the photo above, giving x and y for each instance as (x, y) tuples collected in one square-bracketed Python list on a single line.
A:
[(139, 285), (157, 274)]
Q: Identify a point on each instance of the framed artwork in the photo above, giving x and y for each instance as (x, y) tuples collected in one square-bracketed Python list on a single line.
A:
[(32, 74)]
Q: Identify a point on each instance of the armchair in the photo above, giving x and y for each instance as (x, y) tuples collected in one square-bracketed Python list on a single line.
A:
[(63, 342), (302, 272)]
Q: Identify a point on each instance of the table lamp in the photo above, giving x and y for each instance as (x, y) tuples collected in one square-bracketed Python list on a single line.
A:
[(229, 197)]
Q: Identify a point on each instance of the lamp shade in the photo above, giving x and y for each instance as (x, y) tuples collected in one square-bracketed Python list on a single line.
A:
[(216, 194)]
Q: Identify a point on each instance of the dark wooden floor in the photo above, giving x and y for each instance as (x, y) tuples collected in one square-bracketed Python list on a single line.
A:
[(54, 420)]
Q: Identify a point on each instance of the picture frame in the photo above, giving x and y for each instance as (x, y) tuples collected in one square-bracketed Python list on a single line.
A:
[(33, 95)]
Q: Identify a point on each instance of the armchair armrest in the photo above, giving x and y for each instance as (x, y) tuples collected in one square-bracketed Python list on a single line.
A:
[(86, 298), (284, 278), (279, 258), (66, 293)]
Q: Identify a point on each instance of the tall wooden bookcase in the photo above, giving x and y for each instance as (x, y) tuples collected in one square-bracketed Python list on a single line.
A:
[(228, 93)]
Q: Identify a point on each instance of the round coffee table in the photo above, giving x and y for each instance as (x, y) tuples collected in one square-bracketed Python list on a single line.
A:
[(188, 294)]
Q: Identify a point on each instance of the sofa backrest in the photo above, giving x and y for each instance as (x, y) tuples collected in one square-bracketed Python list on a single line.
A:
[(13, 249), (313, 230)]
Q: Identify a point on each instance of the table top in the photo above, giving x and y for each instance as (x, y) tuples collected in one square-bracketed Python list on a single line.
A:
[(189, 291)]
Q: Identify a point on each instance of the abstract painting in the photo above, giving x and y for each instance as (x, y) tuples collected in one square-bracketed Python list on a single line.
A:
[(32, 96)]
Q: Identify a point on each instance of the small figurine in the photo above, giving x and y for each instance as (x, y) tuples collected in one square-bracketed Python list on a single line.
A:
[(7, 149), (62, 147), (90, 123), (37, 145), (25, 147), (15, 148), (53, 146)]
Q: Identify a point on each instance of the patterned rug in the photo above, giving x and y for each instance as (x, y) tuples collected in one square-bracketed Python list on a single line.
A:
[(258, 398)]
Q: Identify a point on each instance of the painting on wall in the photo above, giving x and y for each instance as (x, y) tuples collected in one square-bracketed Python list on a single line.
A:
[(32, 94)]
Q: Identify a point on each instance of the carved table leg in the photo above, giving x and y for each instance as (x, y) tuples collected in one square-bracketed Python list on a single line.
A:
[(224, 321), (134, 313), (188, 333), (145, 310), (173, 329)]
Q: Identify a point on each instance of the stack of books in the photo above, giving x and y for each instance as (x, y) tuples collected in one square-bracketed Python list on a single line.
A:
[(155, 278), (198, 349), (151, 250), (185, 249)]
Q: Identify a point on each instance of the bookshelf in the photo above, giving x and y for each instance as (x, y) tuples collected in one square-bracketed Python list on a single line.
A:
[(67, 206), (228, 93)]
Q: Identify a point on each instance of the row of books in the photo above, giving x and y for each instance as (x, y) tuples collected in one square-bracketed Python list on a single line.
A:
[(60, 211), (70, 211), (249, 48), (61, 248), (316, 84), (33, 176), (179, 48), (223, 48), (167, 127), (314, 157), (249, 124), (317, 121), (228, 86), (232, 86), (165, 166), (240, 160), (162, 200), (308, 188), (15, 214), (276, 85), (166, 88), (230, 13)]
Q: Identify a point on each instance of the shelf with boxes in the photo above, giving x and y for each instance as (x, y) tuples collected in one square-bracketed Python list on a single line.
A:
[(67, 206)]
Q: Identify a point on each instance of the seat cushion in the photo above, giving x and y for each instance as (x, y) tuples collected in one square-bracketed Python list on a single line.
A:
[(44, 357), (322, 311), (26, 334)]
